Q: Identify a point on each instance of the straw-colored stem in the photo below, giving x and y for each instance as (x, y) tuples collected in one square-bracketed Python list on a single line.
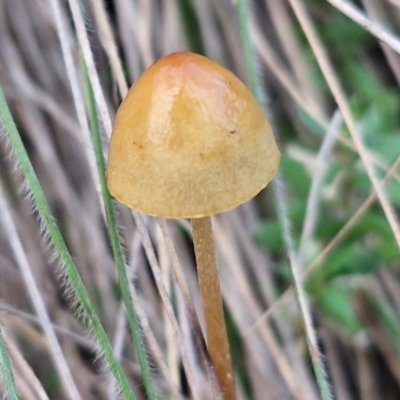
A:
[(217, 338)]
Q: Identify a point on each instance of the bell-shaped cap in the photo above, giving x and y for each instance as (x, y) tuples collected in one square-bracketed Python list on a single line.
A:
[(189, 141)]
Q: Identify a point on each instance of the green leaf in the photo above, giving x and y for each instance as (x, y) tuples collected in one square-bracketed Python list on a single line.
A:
[(347, 260), (376, 230), (393, 191), (338, 29), (268, 234), (334, 302), (384, 143), (311, 124), (296, 176)]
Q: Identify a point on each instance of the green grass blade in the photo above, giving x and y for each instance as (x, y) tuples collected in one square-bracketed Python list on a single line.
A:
[(249, 54), (7, 375), (255, 86), (52, 231), (115, 242)]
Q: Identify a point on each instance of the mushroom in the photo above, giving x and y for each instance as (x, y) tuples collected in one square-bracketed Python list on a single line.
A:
[(190, 141)]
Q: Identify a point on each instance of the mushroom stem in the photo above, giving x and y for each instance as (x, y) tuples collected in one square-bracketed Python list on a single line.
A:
[(217, 338)]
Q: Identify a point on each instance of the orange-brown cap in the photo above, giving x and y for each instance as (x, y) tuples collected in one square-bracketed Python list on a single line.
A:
[(189, 141)]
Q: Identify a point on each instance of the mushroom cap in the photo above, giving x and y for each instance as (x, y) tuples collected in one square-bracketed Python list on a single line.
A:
[(189, 140)]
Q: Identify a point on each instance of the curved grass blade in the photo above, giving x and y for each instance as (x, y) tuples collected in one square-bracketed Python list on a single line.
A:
[(255, 86), (53, 233), (115, 241)]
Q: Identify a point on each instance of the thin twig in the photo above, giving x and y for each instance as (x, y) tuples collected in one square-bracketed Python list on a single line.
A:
[(90, 64), (311, 214), (109, 45)]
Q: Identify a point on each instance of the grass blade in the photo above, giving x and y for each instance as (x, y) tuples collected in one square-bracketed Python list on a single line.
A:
[(6, 371), (115, 242), (38, 302), (52, 231), (316, 357)]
